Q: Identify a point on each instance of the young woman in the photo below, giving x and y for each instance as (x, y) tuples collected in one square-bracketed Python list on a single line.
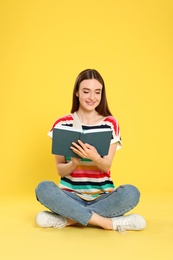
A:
[(86, 193)]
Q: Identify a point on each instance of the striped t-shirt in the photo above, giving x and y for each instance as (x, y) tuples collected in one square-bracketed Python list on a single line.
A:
[(87, 181)]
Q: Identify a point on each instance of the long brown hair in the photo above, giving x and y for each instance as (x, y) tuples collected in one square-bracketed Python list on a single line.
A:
[(102, 108)]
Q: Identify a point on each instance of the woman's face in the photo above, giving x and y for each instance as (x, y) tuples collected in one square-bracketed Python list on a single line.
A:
[(89, 94)]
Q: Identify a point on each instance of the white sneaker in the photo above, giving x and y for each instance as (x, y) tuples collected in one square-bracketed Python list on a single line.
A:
[(50, 219), (129, 222)]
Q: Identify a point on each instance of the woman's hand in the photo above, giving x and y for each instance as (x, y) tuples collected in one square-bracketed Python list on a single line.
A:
[(85, 150), (90, 152), (65, 168), (75, 161)]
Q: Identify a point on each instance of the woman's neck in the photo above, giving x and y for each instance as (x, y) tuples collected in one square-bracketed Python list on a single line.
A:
[(89, 117)]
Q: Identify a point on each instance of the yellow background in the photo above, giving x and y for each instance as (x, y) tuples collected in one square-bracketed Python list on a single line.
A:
[(45, 44), (43, 47)]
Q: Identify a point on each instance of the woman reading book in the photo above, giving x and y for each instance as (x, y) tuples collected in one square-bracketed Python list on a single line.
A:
[(86, 194)]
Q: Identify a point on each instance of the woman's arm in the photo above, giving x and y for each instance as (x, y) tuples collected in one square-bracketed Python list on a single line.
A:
[(104, 163), (89, 151), (65, 168), (85, 151)]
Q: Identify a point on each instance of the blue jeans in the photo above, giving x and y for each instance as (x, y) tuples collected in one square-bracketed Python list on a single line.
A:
[(69, 205)]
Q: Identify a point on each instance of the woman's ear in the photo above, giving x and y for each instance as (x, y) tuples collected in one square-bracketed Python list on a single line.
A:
[(77, 95)]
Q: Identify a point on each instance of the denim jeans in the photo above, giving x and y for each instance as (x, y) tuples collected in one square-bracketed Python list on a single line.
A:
[(69, 205)]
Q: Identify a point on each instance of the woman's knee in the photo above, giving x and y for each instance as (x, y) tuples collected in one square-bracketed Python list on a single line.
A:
[(132, 192), (43, 188)]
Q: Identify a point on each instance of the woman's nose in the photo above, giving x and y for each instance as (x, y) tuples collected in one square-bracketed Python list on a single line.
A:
[(91, 95)]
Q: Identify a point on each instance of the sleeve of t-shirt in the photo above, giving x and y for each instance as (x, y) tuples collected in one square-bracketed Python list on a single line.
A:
[(116, 137), (67, 119)]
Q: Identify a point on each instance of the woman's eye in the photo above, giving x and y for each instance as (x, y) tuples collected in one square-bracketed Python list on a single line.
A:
[(86, 92)]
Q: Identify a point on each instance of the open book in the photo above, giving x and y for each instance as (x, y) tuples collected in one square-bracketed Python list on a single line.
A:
[(63, 136)]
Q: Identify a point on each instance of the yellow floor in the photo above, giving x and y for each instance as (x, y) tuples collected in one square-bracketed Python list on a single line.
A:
[(20, 238)]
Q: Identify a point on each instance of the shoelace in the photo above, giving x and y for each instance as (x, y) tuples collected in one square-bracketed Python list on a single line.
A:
[(121, 230), (123, 227), (61, 222), (57, 222)]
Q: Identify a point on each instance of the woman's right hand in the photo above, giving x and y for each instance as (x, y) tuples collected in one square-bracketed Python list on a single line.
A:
[(75, 161), (65, 168)]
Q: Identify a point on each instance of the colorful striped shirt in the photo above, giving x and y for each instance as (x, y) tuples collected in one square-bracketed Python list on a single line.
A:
[(87, 181)]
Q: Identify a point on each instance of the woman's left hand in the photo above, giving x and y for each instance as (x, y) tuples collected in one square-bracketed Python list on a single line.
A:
[(85, 150)]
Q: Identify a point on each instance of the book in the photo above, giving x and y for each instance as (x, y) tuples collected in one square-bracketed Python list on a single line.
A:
[(63, 136)]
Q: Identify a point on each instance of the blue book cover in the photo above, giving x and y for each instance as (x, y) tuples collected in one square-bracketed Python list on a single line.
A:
[(64, 136)]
